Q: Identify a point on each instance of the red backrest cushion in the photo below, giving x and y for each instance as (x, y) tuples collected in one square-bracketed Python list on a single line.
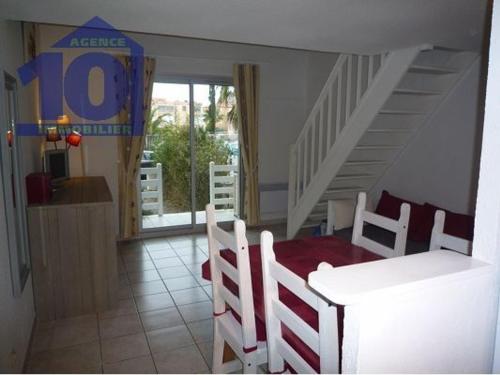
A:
[(390, 206), (457, 225)]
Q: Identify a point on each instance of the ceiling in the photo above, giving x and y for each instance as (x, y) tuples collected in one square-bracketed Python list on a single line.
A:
[(358, 26)]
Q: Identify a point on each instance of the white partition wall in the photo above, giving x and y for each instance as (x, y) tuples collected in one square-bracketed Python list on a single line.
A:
[(486, 244)]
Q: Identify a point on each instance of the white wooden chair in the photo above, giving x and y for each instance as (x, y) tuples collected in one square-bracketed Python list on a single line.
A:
[(324, 343), (441, 240), (399, 227), (241, 337)]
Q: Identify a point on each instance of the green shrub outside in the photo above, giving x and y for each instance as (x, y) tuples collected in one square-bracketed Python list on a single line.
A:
[(173, 152)]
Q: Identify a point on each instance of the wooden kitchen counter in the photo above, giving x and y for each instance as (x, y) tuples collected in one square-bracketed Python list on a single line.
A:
[(73, 250)]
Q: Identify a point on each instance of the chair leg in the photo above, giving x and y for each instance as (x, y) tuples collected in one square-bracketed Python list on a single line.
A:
[(218, 350)]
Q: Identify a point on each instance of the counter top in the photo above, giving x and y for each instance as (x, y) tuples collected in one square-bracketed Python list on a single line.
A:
[(80, 190)]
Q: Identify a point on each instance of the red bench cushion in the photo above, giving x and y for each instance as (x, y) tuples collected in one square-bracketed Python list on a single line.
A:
[(455, 224), (390, 206)]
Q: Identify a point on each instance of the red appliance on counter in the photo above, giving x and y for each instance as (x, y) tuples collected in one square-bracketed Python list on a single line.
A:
[(38, 188)]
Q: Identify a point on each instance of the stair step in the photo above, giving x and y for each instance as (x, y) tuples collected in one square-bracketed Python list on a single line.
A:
[(310, 224), (353, 177), (415, 92), (400, 112), (429, 69), (378, 147), (353, 189), (317, 216), (390, 130), (363, 163)]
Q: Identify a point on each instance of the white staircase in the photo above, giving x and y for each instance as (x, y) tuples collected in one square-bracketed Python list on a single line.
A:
[(364, 116)]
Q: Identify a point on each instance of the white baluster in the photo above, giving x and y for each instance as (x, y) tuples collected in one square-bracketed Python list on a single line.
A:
[(348, 89), (339, 105), (370, 70), (329, 120), (320, 133), (358, 80)]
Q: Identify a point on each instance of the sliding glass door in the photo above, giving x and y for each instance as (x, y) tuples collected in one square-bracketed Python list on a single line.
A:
[(191, 155)]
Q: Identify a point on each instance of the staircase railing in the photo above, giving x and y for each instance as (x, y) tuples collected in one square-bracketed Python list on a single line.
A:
[(349, 80)]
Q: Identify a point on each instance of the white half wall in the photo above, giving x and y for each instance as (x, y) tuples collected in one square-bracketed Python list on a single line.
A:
[(441, 164)]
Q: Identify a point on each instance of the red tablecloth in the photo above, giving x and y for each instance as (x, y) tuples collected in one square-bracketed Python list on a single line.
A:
[(301, 256)]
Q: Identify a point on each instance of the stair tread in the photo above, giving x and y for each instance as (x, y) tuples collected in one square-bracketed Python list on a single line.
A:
[(431, 69), (415, 92), (354, 176), (390, 130), (364, 162), (401, 112), (344, 189), (377, 147)]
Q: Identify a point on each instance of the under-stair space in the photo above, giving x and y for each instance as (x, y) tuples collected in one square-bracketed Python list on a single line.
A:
[(368, 111)]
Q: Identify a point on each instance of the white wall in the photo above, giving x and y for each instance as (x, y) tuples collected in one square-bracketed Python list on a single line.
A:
[(16, 314), (487, 225), (290, 82), (441, 164)]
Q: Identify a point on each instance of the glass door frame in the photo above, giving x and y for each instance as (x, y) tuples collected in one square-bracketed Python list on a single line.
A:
[(193, 227)]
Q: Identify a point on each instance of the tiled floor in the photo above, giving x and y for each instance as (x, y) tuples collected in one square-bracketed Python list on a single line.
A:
[(183, 218), (163, 322)]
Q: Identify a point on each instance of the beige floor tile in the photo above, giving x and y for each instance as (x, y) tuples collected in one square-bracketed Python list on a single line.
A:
[(186, 251), (197, 311), (202, 281), (202, 330), (165, 339), (161, 319), (206, 349), (74, 331), (120, 326), (150, 287), (83, 358), (187, 296), (157, 246), (136, 257), (196, 258), (186, 360), (139, 266), (160, 254), (125, 347), (180, 283), (139, 365), (174, 272), (167, 262), (154, 302), (143, 276), (123, 307), (195, 269), (208, 290)]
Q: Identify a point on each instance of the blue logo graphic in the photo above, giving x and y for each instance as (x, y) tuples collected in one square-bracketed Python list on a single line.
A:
[(123, 82)]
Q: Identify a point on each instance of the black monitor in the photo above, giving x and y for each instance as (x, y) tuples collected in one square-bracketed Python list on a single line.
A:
[(56, 163)]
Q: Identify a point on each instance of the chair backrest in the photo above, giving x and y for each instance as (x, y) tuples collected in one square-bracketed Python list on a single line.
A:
[(242, 303), (324, 343), (399, 227), (441, 240)]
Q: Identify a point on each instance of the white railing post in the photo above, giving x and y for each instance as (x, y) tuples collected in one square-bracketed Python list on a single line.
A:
[(292, 176), (236, 195), (159, 176), (211, 182)]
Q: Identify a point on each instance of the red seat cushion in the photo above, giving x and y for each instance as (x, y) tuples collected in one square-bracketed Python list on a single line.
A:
[(390, 206), (455, 224)]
